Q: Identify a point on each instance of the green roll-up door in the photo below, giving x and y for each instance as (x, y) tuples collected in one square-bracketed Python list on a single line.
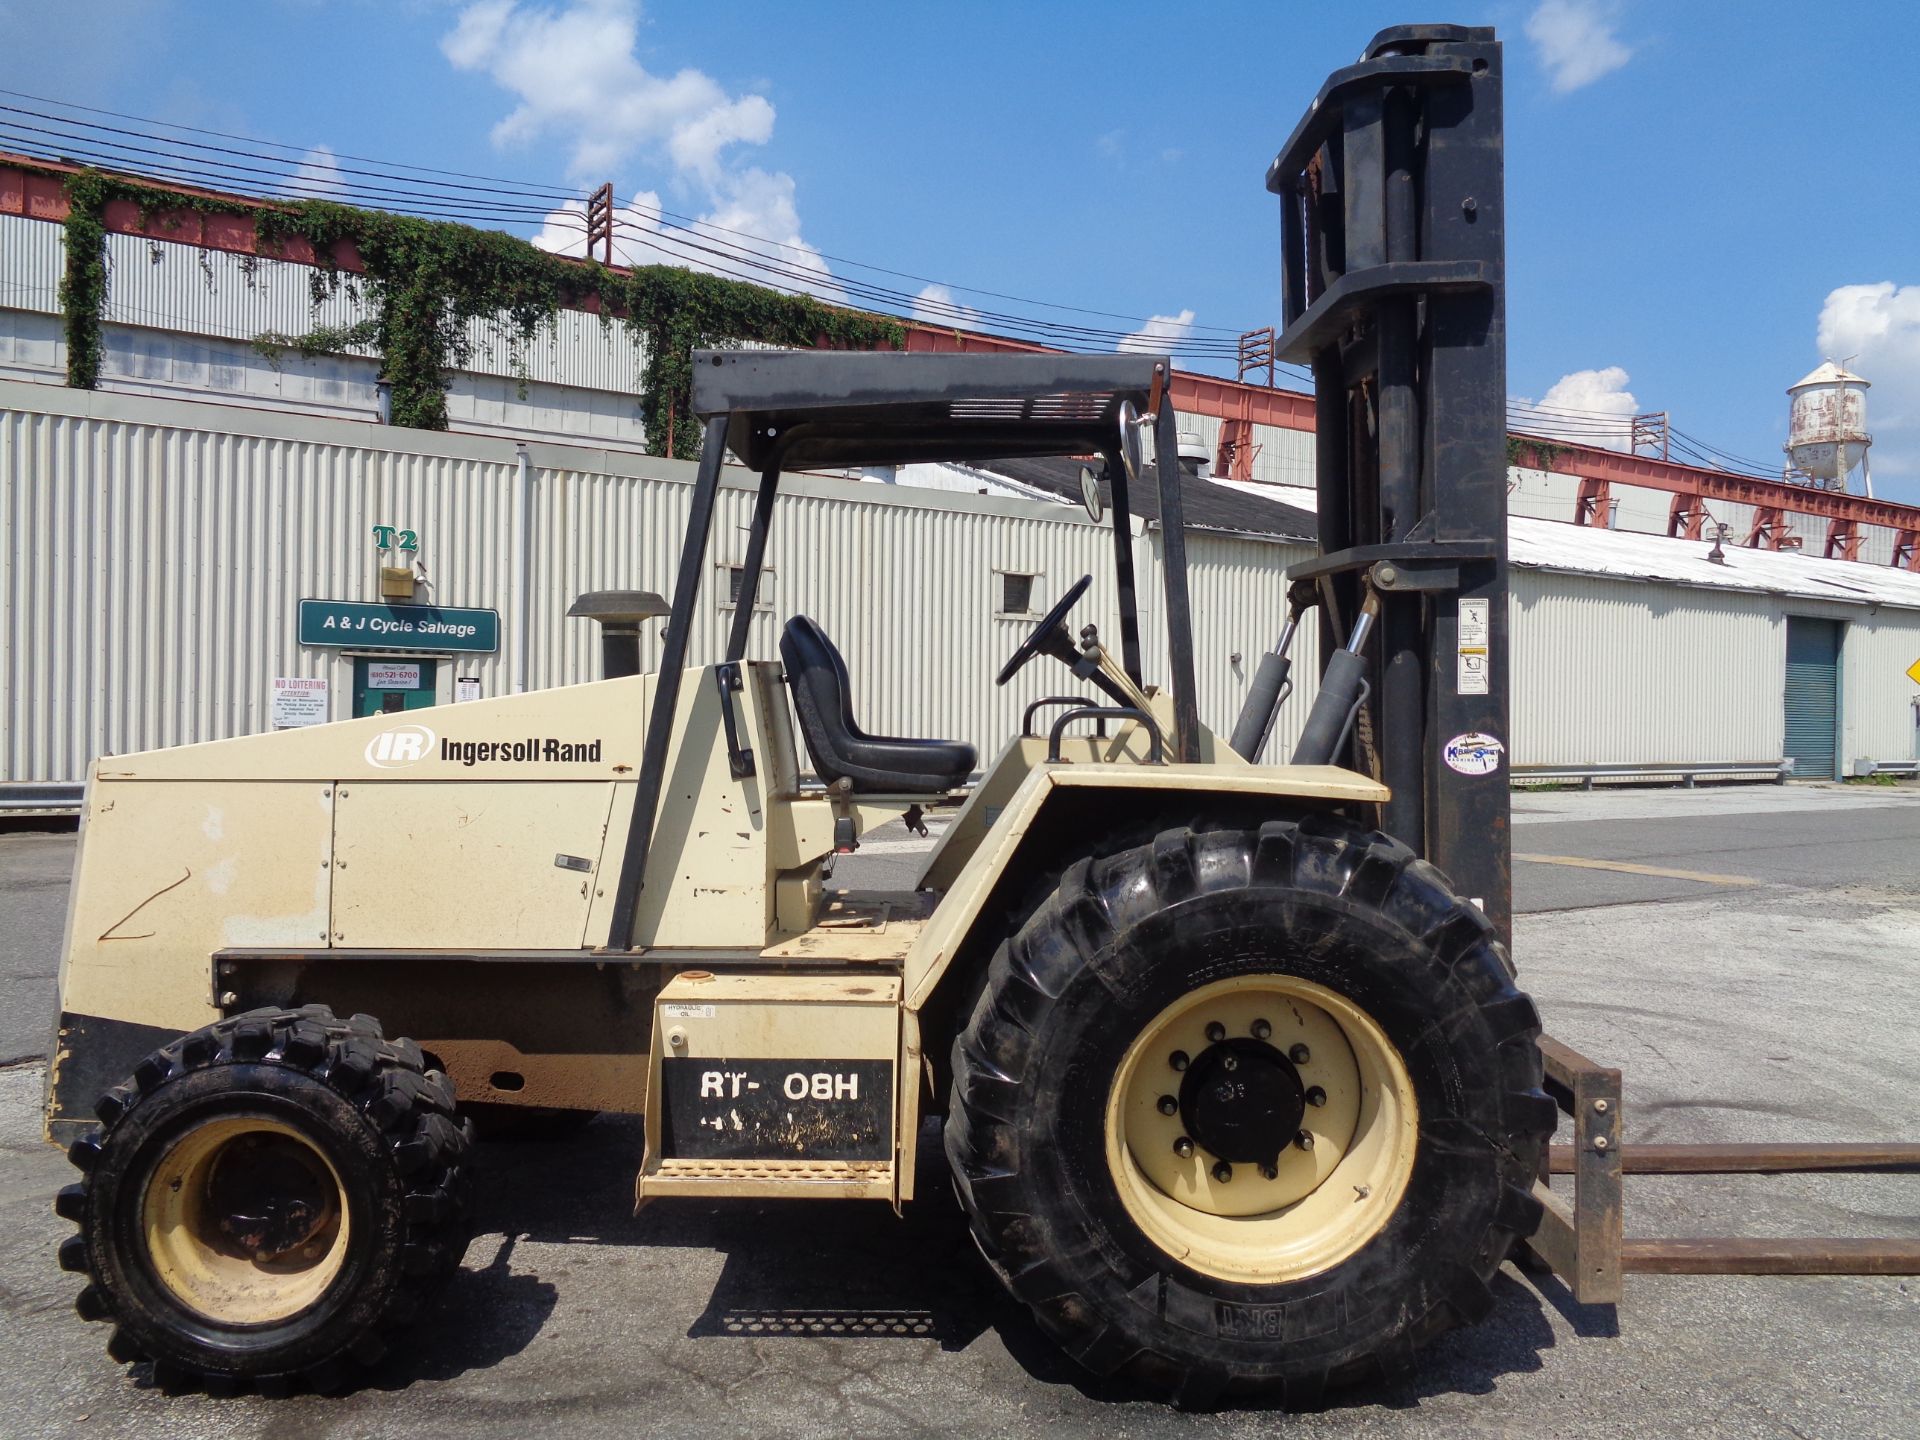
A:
[(1813, 695)]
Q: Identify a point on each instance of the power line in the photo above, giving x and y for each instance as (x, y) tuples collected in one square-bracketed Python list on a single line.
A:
[(522, 186), (520, 189), (429, 193)]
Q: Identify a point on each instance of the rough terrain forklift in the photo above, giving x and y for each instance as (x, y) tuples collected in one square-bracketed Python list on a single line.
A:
[(1239, 1094)]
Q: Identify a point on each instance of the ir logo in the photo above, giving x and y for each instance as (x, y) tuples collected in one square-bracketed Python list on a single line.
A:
[(402, 745)]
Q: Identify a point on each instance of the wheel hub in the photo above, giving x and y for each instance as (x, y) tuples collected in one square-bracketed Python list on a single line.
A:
[(268, 1194), (1260, 1126), (245, 1220), (1243, 1101)]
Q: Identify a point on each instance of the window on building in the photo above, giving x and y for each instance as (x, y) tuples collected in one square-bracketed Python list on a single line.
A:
[(1016, 593), (737, 577)]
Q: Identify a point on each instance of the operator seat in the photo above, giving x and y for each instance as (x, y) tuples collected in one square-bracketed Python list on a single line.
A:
[(875, 764)]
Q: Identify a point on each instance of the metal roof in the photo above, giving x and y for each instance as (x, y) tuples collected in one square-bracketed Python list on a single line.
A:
[(1828, 373), (1629, 555)]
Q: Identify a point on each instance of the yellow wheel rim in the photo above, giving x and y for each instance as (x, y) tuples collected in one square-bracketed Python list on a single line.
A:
[(246, 1222), (1326, 1195)]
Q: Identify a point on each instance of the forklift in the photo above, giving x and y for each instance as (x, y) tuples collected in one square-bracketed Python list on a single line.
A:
[(1239, 1096)]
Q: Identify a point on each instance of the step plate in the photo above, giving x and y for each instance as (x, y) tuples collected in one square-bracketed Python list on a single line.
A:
[(788, 1179)]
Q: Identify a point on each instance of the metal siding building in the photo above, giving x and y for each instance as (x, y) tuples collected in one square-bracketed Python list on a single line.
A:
[(153, 553)]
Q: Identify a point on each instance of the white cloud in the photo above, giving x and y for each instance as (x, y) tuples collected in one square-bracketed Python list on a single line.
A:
[(576, 79), (935, 305), (1576, 40), (318, 174), (1580, 407), (1160, 334), (1879, 326)]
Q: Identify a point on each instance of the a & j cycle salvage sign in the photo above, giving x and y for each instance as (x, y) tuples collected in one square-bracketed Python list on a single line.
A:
[(398, 627)]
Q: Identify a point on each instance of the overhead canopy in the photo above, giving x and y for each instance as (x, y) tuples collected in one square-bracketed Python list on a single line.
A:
[(809, 408)]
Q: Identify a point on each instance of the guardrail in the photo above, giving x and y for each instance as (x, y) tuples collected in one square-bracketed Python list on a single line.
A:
[(1863, 769), (54, 797), (1776, 772)]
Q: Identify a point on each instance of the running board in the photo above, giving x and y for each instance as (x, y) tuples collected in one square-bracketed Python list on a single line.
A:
[(771, 1179)]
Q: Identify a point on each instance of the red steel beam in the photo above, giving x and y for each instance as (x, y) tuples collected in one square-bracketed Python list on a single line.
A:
[(1686, 516), (1586, 463), (1594, 507)]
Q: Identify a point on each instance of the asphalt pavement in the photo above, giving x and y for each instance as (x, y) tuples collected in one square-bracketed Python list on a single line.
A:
[(1749, 957)]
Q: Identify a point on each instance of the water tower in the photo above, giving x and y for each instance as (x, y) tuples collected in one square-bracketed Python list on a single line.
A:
[(1827, 430)]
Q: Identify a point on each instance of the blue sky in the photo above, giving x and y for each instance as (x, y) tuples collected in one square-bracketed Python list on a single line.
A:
[(1705, 197)]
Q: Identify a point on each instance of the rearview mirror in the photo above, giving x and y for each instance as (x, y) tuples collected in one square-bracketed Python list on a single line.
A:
[(1130, 456), (1090, 493)]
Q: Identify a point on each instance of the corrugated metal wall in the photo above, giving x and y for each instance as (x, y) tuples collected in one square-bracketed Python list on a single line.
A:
[(152, 554), (1629, 672), (1877, 646), (31, 258)]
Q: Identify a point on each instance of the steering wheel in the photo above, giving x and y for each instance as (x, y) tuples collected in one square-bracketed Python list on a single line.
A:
[(1052, 620)]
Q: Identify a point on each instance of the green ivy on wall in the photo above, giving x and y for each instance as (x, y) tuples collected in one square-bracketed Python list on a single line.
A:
[(427, 280), (83, 283), (1530, 453)]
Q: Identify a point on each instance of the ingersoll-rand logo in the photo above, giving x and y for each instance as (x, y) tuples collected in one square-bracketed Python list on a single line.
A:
[(401, 745), (404, 744)]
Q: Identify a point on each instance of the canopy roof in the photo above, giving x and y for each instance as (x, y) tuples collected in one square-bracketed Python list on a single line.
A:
[(811, 408)]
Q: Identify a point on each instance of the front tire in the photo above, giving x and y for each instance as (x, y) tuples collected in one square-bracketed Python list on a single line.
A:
[(1344, 999), (268, 1198)]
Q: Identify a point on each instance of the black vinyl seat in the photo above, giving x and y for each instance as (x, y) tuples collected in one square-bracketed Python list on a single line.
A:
[(876, 764)]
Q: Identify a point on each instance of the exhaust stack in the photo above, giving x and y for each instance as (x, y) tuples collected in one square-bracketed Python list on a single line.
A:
[(619, 613)]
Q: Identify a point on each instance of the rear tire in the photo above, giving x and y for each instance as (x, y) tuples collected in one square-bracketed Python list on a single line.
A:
[(1170, 1276), (268, 1198)]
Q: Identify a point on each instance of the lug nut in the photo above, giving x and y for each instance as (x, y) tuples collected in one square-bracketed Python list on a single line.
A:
[(1223, 1172), (1183, 1147), (1178, 1060), (1228, 1062), (1299, 1054), (1304, 1139), (1168, 1105), (1216, 1032), (1316, 1096), (1270, 1172), (1261, 1029)]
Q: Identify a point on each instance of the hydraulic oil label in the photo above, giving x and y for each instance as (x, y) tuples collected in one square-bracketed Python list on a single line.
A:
[(815, 1109)]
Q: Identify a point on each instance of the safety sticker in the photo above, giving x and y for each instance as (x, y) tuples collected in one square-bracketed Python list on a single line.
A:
[(1471, 631), (1473, 753)]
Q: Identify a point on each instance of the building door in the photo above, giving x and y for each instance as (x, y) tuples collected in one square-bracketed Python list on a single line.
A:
[(382, 686), (1813, 696)]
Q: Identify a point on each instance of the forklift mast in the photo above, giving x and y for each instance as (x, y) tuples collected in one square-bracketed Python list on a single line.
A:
[(1393, 289)]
